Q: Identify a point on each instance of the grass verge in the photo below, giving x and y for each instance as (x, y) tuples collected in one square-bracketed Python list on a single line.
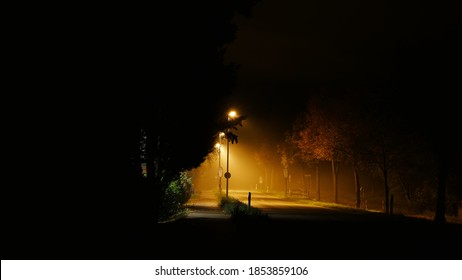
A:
[(239, 210)]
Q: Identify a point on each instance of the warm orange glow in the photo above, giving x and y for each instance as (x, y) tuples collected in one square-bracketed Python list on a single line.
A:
[(257, 168), (222, 134), (232, 114), (217, 145)]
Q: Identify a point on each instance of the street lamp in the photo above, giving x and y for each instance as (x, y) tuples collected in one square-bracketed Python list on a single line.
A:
[(220, 169), (231, 115)]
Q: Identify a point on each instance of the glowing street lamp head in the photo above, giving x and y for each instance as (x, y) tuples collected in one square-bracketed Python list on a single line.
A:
[(232, 114), (217, 145)]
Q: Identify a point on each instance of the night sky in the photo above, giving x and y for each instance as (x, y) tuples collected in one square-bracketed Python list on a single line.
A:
[(289, 49)]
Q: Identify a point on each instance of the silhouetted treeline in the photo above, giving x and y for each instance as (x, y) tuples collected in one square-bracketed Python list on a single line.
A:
[(399, 116), (403, 128), (88, 81)]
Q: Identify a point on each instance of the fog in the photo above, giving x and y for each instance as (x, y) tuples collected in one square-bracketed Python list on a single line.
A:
[(250, 173)]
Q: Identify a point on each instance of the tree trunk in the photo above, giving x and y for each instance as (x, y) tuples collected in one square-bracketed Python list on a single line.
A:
[(334, 180), (387, 191), (440, 213), (305, 188), (357, 187), (385, 182), (318, 182), (150, 194)]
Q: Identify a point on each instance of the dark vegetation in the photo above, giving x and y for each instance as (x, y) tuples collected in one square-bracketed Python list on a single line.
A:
[(98, 90), (177, 193), (239, 210)]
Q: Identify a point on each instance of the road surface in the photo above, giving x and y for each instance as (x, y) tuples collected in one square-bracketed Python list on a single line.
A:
[(298, 229)]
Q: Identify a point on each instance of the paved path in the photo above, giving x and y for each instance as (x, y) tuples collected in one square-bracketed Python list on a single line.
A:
[(297, 230)]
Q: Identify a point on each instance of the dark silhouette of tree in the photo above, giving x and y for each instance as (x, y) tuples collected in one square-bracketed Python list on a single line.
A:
[(320, 137), (194, 82), (101, 78), (427, 74), (409, 113), (265, 157), (302, 137), (384, 144), (287, 154), (346, 110)]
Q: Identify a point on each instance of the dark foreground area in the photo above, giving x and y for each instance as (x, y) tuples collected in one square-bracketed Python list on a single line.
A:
[(375, 237), (292, 239)]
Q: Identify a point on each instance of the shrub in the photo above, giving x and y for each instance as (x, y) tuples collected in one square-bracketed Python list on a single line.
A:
[(238, 210), (177, 193)]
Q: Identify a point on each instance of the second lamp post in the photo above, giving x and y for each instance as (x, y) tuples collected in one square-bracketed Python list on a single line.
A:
[(231, 115)]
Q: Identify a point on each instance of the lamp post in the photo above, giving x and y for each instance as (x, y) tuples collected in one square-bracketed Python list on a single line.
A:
[(220, 169), (231, 115)]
